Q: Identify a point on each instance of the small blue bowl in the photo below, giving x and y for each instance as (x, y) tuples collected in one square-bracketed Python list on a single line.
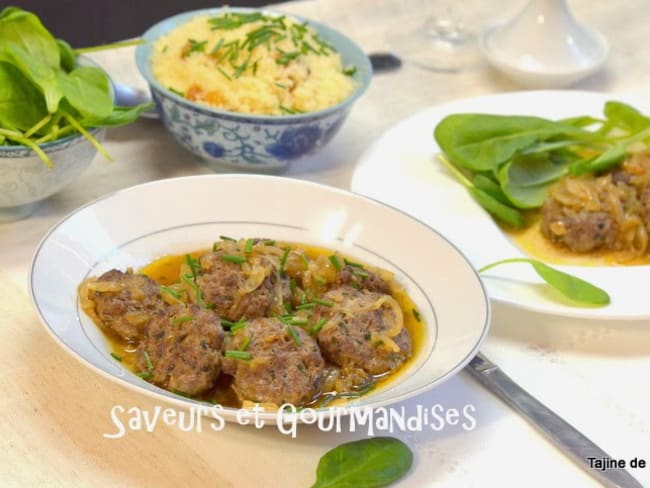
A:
[(250, 142)]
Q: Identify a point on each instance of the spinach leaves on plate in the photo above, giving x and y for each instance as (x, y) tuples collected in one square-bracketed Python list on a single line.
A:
[(44, 94), (507, 162), (367, 463)]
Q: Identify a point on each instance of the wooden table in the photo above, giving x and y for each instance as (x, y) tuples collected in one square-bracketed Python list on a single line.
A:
[(54, 411)]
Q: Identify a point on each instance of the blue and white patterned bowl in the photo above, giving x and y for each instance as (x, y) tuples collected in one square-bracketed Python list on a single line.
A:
[(25, 179), (251, 142)]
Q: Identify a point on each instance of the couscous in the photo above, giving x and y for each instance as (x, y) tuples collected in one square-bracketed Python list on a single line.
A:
[(252, 63)]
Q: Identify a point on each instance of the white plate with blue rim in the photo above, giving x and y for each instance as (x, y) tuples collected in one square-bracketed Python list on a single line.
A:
[(179, 215), (401, 168)]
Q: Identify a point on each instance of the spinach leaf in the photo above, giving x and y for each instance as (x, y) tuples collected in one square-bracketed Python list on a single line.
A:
[(625, 117), (524, 179), (24, 30), (483, 142), (38, 71), (576, 289), (490, 186), (67, 55), (367, 463), (119, 116), (87, 89), (21, 104), (494, 207)]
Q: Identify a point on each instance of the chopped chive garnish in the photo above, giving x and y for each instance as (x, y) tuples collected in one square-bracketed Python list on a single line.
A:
[(283, 260), (325, 303), (177, 92), (247, 341), (280, 85), (287, 110), (360, 273), (417, 315), (286, 58), (305, 260), (182, 319), (225, 75), (194, 47), (217, 46), (248, 247), (187, 278), (319, 325), (215, 246), (352, 263), (193, 263), (227, 323), (327, 400), (292, 286), (238, 325), (294, 335), (269, 243), (144, 374), (349, 70), (244, 355), (233, 258), (336, 262), (297, 321), (306, 306), (116, 357), (226, 238), (170, 291), (147, 361), (360, 392)]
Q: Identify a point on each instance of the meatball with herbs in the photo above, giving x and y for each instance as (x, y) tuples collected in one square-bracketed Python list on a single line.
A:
[(362, 329), (125, 302), (181, 350), (236, 289), (273, 362)]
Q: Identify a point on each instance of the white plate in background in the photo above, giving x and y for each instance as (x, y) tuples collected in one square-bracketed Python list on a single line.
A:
[(401, 168)]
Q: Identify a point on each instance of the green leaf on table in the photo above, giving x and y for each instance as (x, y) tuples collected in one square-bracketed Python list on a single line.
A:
[(21, 104), (367, 463), (572, 287)]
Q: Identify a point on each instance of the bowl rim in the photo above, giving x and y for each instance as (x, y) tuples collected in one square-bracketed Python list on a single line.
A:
[(153, 33)]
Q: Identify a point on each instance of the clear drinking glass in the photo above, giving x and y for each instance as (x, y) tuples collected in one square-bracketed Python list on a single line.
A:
[(442, 41)]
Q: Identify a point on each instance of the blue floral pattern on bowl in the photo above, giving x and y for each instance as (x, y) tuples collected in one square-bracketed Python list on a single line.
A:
[(246, 141)]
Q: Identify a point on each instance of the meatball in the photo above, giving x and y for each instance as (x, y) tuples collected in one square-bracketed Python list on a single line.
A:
[(361, 278), (362, 330), (223, 286), (181, 350), (282, 368), (580, 231), (126, 302)]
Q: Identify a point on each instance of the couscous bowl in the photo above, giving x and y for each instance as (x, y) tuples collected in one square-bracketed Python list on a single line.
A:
[(251, 89)]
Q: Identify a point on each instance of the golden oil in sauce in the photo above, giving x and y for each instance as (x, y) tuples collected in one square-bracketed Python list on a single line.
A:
[(166, 271)]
